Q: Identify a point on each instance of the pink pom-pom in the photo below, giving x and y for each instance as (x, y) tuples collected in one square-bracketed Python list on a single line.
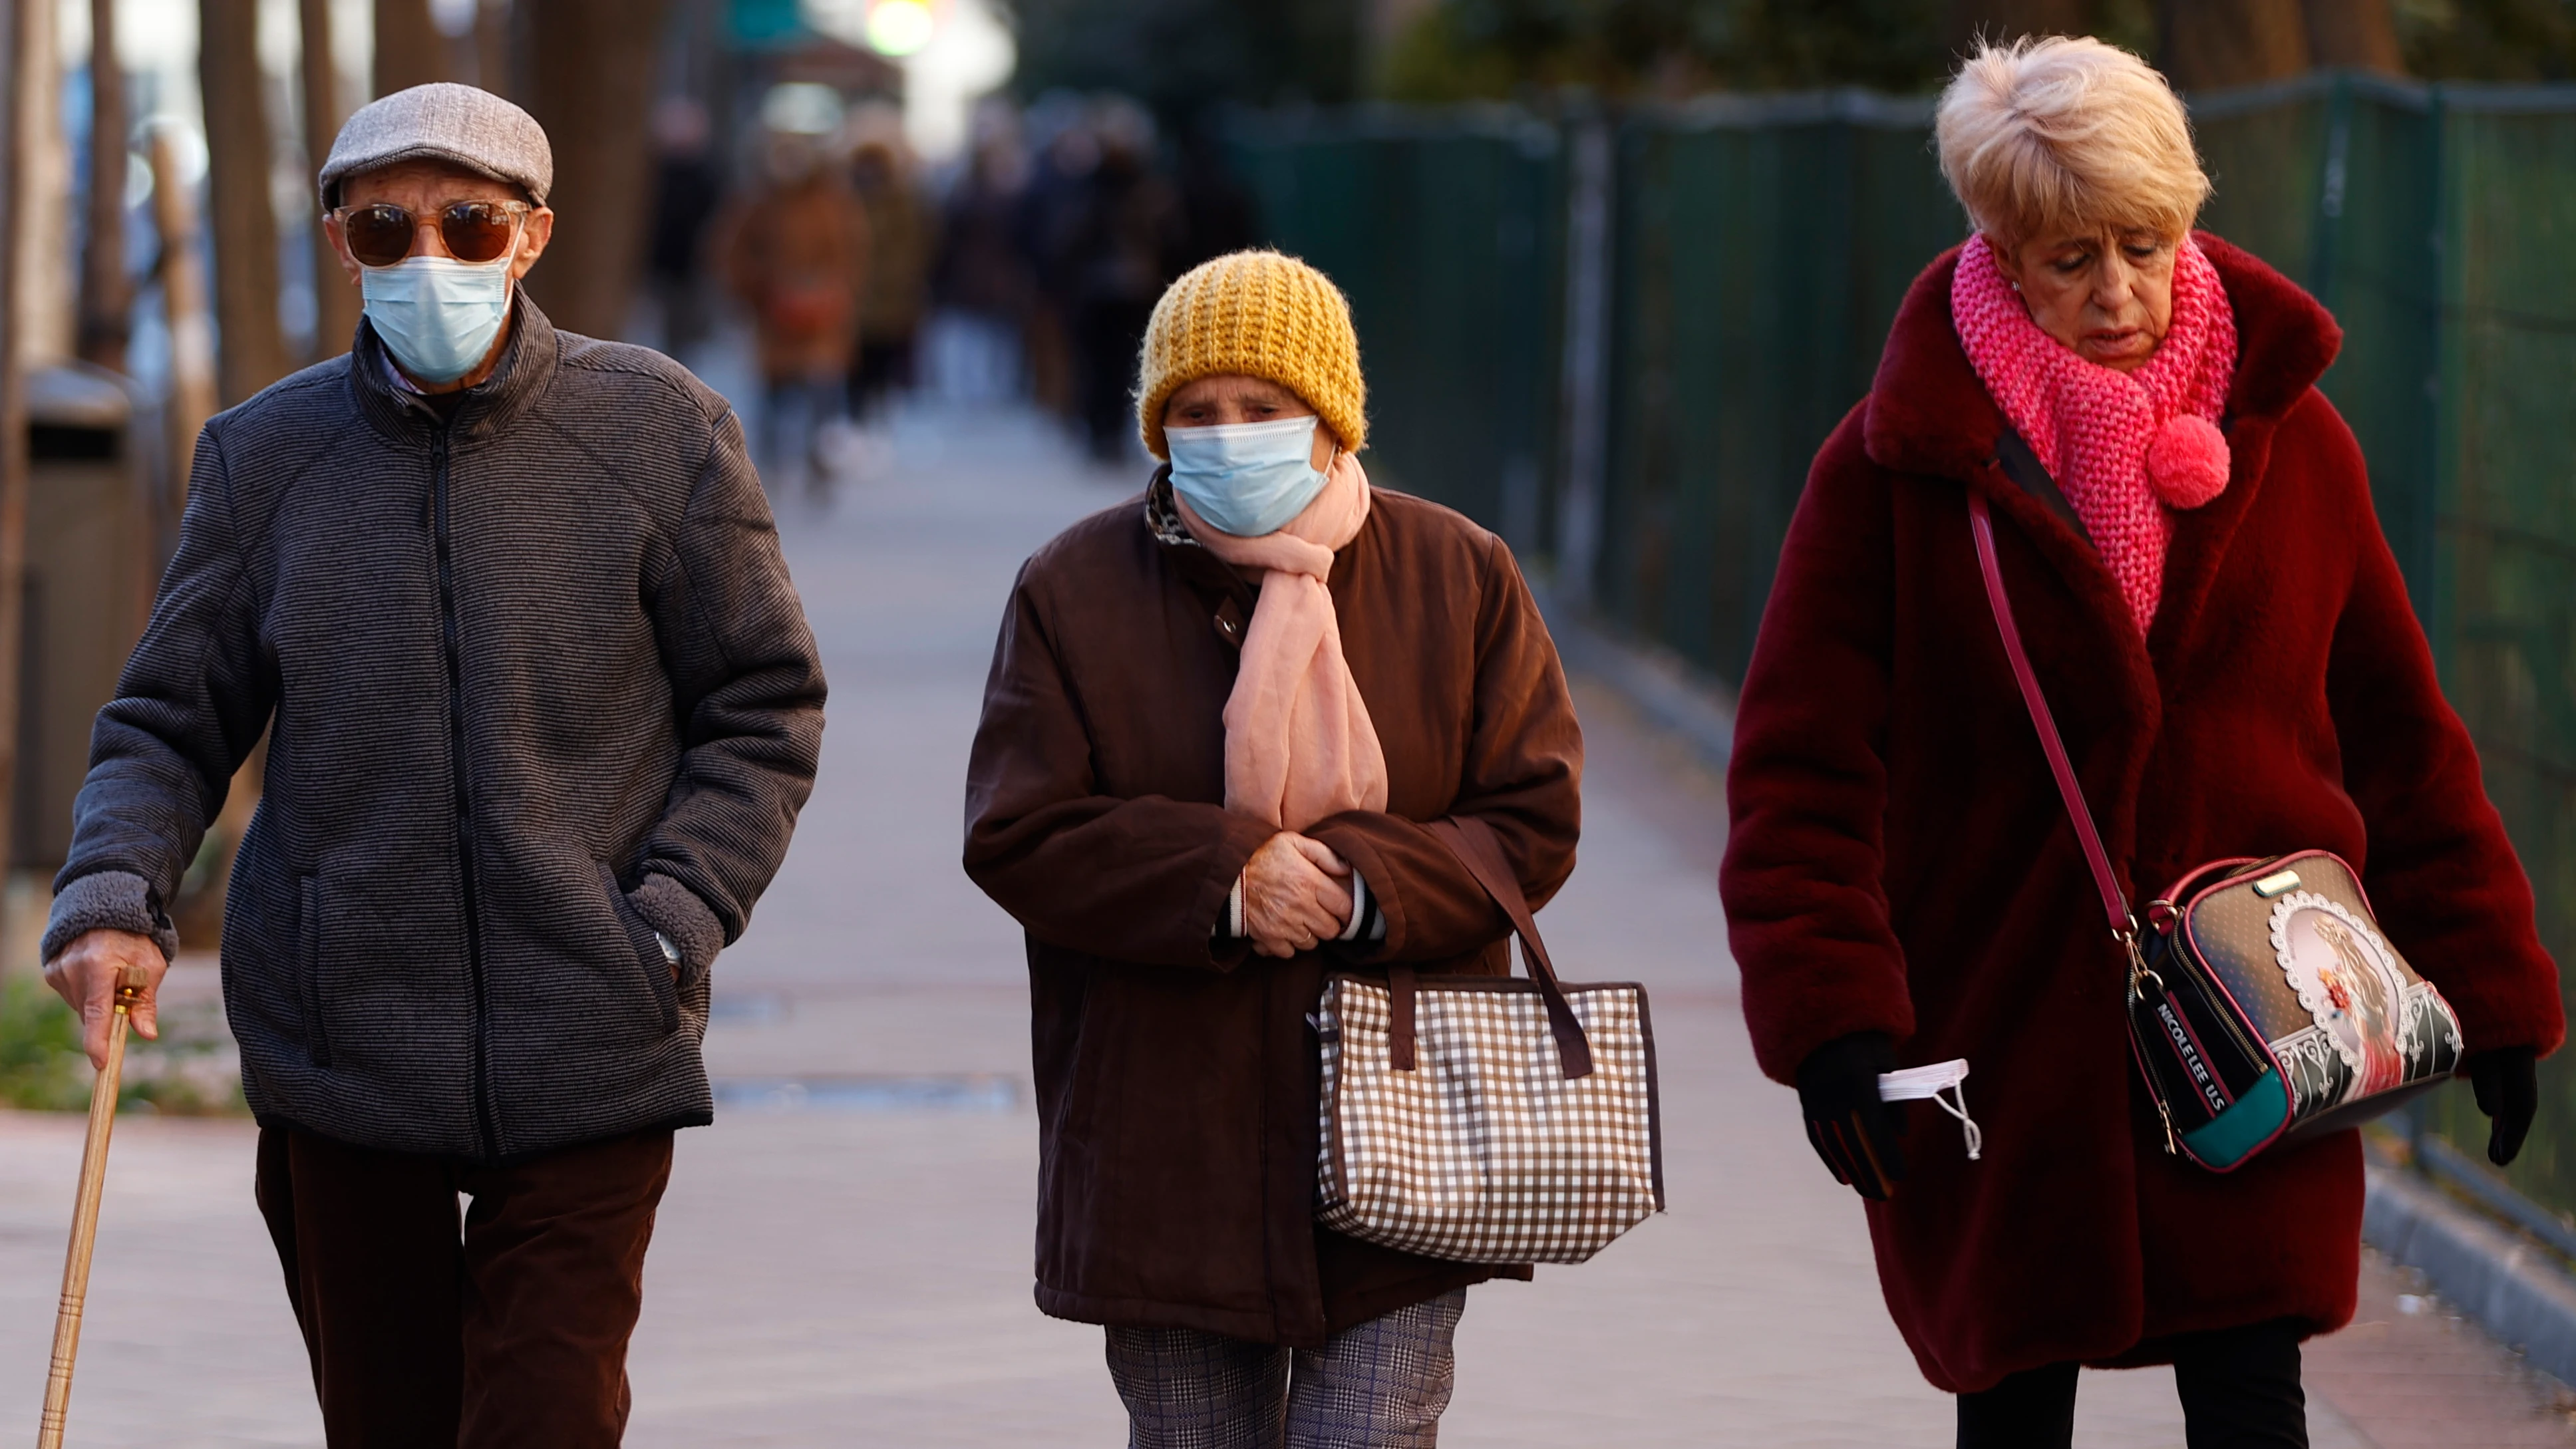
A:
[(2187, 461)]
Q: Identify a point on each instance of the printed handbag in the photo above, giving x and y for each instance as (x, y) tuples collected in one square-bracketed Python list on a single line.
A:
[(2265, 1005), (1487, 1119)]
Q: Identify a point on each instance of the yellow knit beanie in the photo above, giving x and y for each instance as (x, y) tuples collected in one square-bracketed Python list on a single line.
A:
[(1262, 315)]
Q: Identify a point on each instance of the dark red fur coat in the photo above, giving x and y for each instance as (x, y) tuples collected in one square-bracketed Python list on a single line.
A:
[(1900, 861)]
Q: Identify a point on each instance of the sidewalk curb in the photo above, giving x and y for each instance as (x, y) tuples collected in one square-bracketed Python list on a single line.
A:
[(2511, 1289)]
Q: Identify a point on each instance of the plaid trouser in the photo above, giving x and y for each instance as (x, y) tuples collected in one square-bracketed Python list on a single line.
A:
[(1380, 1385)]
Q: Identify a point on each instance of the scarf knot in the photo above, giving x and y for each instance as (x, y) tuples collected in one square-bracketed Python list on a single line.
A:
[(1299, 744), (2127, 449)]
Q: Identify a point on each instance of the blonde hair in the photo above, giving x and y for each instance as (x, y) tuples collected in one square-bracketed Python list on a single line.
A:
[(2067, 134)]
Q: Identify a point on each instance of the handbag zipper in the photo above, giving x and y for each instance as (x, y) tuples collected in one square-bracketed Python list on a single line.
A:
[(2168, 919), (2235, 1026)]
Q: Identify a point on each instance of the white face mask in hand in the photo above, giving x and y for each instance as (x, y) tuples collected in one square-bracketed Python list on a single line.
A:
[(438, 315), (1927, 1084)]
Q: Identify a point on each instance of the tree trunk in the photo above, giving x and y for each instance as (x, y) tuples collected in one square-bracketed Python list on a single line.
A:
[(30, 58), (2357, 34), (335, 302), (2006, 19), (591, 65), (492, 48), (43, 270), (410, 51), (183, 302), (237, 147), (2211, 44), (106, 294)]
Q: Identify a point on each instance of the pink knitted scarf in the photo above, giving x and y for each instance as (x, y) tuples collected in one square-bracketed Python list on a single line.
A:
[(1299, 744), (2127, 449)]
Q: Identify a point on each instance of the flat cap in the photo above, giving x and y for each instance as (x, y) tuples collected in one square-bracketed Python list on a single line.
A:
[(443, 121)]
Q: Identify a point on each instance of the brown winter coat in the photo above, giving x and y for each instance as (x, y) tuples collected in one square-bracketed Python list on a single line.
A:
[(797, 256), (1176, 1072)]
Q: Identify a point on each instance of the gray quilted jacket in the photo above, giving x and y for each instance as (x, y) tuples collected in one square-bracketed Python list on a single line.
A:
[(537, 687)]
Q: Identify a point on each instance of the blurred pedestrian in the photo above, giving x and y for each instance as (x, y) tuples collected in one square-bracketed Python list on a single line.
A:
[(1052, 208), (686, 193), (1122, 239), (2185, 531), (981, 280), (795, 253), (897, 291), (541, 708), (1219, 717)]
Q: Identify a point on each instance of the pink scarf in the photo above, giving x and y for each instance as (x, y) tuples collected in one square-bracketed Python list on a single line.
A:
[(1298, 742), (2127, 449)]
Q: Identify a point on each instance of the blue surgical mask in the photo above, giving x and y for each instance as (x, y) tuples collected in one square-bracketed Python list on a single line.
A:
[(438, 315), (1246, 478)]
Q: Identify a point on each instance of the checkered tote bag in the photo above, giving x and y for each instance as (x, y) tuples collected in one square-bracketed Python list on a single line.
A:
[(1488, 1119)]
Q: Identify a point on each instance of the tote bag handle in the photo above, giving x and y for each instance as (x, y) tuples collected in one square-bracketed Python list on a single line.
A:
[(2115, 902), (1476, 847)]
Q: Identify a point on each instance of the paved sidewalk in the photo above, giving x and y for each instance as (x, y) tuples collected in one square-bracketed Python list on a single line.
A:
[(859, 1273)]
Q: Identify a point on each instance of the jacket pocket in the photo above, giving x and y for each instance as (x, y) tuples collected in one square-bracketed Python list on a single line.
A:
[(308, 969), (659, 974)]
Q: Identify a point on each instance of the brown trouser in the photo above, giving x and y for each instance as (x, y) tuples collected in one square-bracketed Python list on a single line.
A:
[(511, 1332)]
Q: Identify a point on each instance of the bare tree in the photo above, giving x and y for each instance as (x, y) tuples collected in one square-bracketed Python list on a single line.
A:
[(45, 271), (410, 51), (245, 223), (106, 293), (2211, 44), (491, 38), (335, 302), (2360, 34), (183, 304), (591, 68), (29, 38)]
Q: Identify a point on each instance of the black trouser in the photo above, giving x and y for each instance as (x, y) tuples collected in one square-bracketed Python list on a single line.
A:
[(506, 1330), (2239, 1389)]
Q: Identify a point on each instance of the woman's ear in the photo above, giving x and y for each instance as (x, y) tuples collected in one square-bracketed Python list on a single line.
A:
[(1327, 443), (2007, 260)]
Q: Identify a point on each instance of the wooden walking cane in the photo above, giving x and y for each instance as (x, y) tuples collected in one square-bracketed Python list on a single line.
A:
[(93, 1180)]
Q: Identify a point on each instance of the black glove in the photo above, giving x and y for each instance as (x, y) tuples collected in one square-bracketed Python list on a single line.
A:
[(1853, 1131), (2507, 1081)]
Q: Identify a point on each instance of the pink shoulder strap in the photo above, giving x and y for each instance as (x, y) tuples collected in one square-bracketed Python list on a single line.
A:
[(2115, 904)]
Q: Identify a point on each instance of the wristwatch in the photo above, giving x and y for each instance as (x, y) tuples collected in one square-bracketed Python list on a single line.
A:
[(670, 952)]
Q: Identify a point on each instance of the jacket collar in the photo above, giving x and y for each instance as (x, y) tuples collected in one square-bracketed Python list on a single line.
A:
[(526, 369), (1929, 413), (1202, 570)]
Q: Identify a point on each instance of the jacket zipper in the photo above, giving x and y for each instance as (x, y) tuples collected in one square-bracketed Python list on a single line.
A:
[(451, 641)]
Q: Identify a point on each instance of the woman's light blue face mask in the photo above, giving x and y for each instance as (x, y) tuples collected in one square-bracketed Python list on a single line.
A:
[(1247, 479)]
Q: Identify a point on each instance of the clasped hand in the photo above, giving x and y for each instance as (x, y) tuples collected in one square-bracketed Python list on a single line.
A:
[(1296, 893), (86, 973)]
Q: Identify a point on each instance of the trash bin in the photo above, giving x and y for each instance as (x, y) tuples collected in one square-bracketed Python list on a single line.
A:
[(91, 566)]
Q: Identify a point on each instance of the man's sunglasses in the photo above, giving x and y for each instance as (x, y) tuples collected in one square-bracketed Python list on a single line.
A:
[(475, 231)]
